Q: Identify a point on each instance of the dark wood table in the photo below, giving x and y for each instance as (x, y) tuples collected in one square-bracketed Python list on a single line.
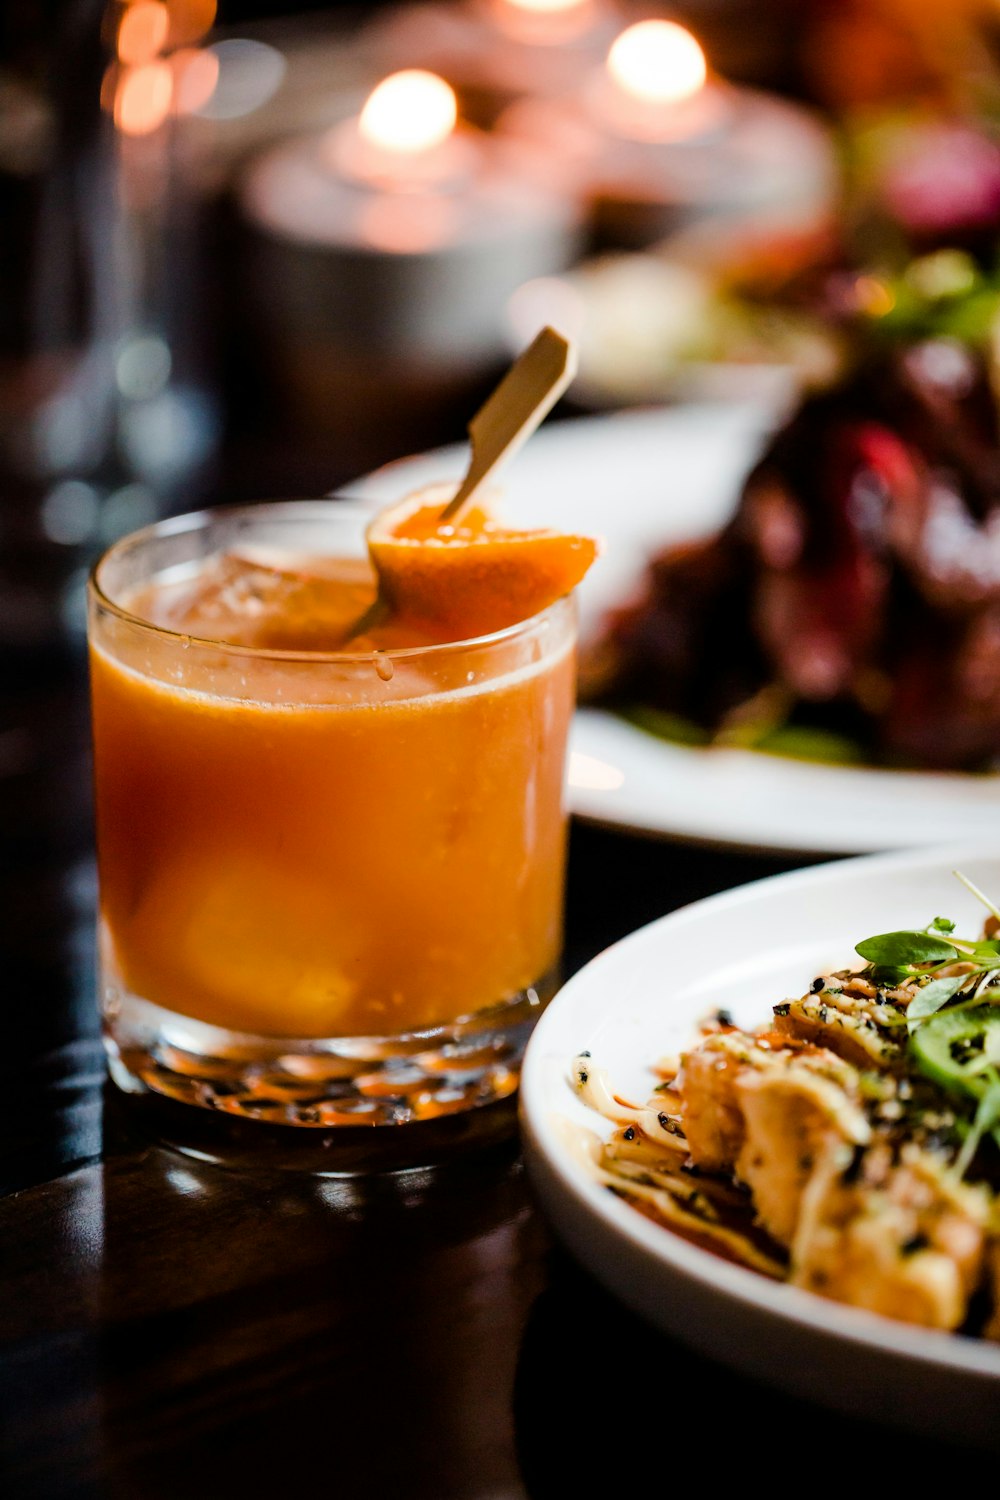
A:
[(173, 1329)]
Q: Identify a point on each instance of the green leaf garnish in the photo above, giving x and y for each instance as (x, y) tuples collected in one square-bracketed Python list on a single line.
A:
[(987, 952), (987, 1116), (942, 924), (887, 978), (929, 1000), (898, 950)]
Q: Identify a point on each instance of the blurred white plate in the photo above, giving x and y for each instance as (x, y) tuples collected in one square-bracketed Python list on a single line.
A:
[(642, 999), (641, 480)]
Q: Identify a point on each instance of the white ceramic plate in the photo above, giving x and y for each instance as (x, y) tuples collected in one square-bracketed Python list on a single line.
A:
[(641, 480), (642, 999)]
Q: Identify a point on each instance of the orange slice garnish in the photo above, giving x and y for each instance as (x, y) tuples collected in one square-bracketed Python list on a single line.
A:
[(472, 577)]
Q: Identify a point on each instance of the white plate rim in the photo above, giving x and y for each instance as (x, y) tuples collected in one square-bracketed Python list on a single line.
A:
[(950, 792), (834, 1320)]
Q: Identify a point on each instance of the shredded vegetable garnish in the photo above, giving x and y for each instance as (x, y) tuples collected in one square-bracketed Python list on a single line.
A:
[(645, 1162)]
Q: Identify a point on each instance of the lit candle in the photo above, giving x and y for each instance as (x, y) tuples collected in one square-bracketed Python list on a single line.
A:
[(655, 85), (405, 137), (496, 51), (653, 141), (548, 23), (384, 250)]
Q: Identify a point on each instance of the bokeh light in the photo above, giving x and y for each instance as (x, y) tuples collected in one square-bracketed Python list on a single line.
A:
[(196, 75), (657, 62), (546, 7), (142, 98), (142, 32), (411, 111), (249, 74), (190, 20)]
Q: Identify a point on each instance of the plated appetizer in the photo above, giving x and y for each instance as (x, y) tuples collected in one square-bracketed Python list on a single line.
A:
[(850, 1145), (850, 609)]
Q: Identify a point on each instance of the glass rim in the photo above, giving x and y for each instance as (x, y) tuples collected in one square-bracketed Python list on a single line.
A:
[(194, 520)]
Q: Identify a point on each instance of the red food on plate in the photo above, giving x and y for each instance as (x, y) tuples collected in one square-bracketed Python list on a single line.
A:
[(856, 591)]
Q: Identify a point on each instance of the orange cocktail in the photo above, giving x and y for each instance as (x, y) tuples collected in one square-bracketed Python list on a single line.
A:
[(307, 854)]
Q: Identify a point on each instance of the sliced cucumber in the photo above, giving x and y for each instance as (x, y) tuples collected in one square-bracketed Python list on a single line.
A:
[(956, 1048)]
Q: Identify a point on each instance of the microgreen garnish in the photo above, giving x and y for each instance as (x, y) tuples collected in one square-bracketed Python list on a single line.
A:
[(977, 893), (895, 958), (886, 978), (987, 951), (906, 950), (929, 1000), (987, 1118)]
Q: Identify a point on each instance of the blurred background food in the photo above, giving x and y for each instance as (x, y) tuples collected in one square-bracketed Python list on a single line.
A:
[(248, 252), (851, 608)]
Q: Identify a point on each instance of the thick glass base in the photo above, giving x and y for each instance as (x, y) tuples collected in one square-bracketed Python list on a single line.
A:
[(319, 1104)]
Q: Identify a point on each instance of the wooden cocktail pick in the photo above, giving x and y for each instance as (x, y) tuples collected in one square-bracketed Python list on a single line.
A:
[(525, 395)]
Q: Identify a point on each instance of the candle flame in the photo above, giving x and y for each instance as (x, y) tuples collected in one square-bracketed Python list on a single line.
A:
[(657, 62), (545, 7), (410, 112)]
